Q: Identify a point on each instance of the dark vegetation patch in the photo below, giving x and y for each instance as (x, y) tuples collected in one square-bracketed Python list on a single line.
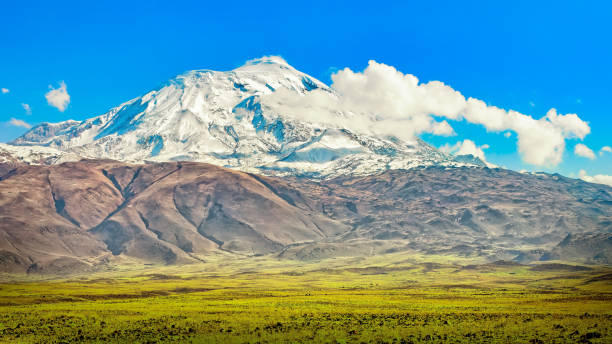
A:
[(162, 277), (144, 294), (559, 267), (606, 277)]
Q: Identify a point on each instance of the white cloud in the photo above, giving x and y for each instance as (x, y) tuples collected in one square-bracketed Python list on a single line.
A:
[(584, 151), (443, 129), (598, 178), (465, 147), (58, 97), (570, 124), (540, 142), (5, 90), (19, 123), (605, 149), (381, 100), (27, 108)]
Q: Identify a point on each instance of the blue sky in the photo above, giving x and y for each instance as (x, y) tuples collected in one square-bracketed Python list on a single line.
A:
[(521, 55)]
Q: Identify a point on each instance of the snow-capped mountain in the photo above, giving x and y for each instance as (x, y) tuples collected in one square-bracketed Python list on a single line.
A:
[(219, 118)]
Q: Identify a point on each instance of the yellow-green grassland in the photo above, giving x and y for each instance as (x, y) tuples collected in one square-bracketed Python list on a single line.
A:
[(395, 298)]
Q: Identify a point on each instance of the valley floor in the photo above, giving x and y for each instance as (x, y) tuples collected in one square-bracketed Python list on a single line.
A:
[(386, 299)]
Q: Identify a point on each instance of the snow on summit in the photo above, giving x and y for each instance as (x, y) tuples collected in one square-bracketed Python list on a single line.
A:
[(223, 118)]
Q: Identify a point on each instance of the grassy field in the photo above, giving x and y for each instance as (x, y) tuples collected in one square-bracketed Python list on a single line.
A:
[(388, 299)]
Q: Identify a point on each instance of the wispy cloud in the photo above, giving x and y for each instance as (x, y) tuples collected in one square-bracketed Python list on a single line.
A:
[(5, 90), (605, 149), (27, 108), (598, 178), (465, 147), (58, 97), (584, 151), (19, 123), (381, 100)]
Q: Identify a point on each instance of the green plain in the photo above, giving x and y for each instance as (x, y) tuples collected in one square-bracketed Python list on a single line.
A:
[(395, 298)]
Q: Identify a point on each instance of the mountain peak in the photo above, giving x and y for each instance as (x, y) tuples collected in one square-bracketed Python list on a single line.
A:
[(222, 118)]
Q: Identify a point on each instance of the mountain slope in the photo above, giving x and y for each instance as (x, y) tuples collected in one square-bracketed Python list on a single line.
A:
[(92, 213), (219, 118), (493, 213)]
